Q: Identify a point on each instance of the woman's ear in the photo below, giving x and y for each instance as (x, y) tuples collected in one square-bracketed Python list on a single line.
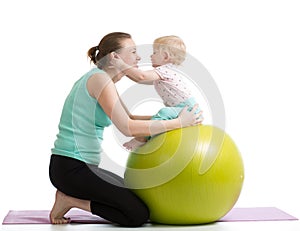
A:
[(114, 55)]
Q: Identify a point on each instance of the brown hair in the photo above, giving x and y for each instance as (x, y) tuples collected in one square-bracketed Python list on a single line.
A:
[(109, 43)]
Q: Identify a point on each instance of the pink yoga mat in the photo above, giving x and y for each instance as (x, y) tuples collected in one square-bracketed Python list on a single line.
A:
[(79, 216)]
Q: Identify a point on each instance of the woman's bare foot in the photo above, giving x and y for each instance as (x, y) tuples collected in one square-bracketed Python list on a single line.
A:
[(63, 203), (61, 206)]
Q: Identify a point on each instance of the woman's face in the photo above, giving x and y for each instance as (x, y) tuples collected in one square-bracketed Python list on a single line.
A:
[(128, 53)]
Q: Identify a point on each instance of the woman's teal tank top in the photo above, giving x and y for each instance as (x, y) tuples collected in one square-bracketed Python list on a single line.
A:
[(81, 124)]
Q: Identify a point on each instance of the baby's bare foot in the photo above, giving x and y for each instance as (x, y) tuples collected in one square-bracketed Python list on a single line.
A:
[(61, 206), (133, 144)]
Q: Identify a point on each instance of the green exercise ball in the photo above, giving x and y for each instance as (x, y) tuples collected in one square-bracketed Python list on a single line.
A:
[(192, 175)]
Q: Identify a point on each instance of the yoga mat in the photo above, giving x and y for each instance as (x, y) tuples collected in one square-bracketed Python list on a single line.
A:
[(79, 216), (257, 214)]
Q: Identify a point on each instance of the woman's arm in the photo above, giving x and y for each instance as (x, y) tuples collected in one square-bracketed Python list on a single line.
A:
[(134, 117), (103, 89), (140, 117)]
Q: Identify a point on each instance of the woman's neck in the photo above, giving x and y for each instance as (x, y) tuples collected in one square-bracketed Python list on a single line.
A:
[(114, 74)]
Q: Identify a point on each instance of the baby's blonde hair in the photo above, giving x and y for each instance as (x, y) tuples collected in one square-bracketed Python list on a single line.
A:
[(174, 46)]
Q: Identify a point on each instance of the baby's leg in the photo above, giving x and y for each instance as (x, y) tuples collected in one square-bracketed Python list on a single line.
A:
[(166, 113), (135, 143)]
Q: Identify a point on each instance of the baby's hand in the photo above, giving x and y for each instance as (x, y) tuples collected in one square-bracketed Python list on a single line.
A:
[(116, 61)]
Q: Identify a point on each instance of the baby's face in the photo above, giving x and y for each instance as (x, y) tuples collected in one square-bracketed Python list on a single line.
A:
[(158, 57)]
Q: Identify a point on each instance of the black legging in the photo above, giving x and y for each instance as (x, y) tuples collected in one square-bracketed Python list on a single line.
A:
[(110, 201)]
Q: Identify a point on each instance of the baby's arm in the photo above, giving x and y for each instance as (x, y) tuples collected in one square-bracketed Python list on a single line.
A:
[(139, 76), (135, 74)]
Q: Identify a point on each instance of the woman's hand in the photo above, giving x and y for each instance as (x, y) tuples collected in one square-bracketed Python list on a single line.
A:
[(190, 117)]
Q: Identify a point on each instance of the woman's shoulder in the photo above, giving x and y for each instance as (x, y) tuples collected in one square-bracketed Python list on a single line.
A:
[(95, 73), (92, 72), (95, 70), (97, 82)]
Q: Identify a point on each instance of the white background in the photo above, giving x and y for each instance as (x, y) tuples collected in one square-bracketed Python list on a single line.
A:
[(251, 49)]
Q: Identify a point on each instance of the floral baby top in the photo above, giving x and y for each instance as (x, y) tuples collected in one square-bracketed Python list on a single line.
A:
[(171, 86)]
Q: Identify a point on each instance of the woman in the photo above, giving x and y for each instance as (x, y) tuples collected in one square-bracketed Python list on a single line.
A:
[(93, 104)]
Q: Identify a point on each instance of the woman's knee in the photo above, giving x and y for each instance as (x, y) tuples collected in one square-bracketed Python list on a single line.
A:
[(138, 216)]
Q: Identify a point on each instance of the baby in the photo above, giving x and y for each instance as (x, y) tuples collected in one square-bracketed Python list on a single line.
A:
[(168, 53)]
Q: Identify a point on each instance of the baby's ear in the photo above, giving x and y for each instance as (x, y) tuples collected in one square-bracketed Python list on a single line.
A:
[(166, 55)]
